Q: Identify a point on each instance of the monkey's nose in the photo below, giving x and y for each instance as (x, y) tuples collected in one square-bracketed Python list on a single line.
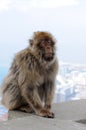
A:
[(48, 47)]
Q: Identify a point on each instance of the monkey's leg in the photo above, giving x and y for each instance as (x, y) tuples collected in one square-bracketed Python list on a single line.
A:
[(11, 97), (27, 109), (33, 99)]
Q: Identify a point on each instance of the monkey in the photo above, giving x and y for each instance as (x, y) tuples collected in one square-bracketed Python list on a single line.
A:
[(30, 83)]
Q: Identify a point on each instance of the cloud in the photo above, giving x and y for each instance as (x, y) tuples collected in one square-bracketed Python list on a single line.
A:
[(4, 4), (52, 3), (24, 5)]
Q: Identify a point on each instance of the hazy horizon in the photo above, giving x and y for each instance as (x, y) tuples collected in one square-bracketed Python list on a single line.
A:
[(66, 20)]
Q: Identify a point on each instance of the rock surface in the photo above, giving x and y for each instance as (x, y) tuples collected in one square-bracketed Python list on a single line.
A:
[(69, 116)]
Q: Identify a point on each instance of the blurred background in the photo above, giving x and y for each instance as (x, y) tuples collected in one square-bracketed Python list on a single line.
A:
[(66, 20)]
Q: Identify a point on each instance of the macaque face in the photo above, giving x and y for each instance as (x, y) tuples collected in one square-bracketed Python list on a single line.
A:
[(47, 46), (44, 44)]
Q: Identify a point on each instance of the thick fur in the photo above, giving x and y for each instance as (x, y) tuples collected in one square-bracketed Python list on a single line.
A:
[(29, 85)]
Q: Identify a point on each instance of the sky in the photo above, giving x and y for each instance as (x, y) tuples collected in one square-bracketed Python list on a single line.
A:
[(65, 19)]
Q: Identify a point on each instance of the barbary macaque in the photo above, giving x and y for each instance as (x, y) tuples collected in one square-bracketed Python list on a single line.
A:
[(30, 83)]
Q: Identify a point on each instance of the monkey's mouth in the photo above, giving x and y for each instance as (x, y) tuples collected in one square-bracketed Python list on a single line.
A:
[(48, 56)]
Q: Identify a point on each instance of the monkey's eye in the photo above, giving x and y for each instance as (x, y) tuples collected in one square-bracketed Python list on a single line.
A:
[(42, 43), (49, 41)]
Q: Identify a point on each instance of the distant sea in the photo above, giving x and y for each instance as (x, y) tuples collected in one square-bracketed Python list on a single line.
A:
[(3, 110), (3, 72)]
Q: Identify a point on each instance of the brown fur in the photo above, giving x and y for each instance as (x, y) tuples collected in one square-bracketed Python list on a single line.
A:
[(29, 85)]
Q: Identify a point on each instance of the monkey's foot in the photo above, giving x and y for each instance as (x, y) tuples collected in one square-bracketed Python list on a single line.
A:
[(26, 109), (47, 114)]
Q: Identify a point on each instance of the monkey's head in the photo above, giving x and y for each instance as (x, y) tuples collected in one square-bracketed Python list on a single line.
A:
[(44, 44)]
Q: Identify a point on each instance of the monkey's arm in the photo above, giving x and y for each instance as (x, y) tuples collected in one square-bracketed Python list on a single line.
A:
[(50, 85), (49, 95), (31, 96)]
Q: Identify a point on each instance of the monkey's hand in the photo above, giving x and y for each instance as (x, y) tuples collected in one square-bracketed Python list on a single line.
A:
[(47, 107), (46, 113)]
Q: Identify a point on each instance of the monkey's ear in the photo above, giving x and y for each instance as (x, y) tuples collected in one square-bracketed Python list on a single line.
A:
[(31, 42)]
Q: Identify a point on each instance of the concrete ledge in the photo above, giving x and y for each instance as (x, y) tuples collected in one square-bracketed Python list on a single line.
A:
[(69, 116)]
